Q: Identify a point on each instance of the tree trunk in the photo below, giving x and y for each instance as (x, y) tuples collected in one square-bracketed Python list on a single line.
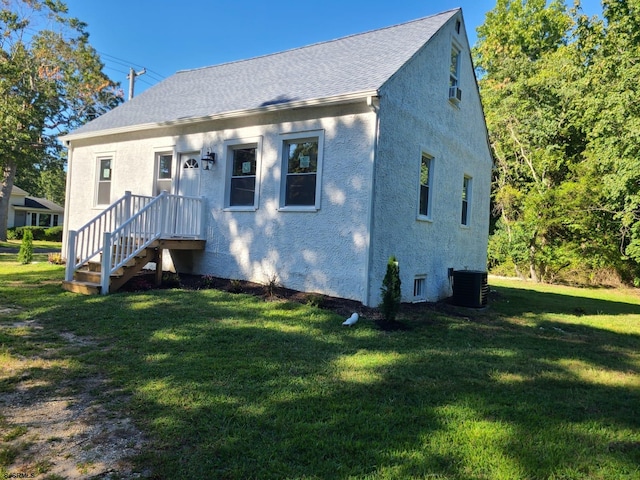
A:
[(532, 260), (8, 174)]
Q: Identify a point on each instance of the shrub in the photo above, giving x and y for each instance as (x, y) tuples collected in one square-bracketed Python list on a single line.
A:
[(235, 286), (391, 292), (12, 234), (170, 280), (38, 233), (53, 234), (271, 285), (56, 258), (208, 281), (25, 255)]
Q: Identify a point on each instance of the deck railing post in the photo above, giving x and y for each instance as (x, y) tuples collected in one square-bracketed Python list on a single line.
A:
[(71, 255), (164, 213), (203, 218), (127, 207), (105, 270)]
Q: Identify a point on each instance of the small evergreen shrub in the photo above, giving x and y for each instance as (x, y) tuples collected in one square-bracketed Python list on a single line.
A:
[(25, 255), (391, 292), (12, 234)]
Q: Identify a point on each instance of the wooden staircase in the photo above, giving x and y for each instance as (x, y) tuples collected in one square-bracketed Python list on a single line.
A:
[(135, 230), (87, 279)]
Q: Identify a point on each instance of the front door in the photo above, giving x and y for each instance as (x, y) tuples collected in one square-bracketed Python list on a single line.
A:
[(189, 183)]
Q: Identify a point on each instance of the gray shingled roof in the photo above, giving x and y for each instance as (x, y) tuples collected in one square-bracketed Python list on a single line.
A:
[(346, 66)]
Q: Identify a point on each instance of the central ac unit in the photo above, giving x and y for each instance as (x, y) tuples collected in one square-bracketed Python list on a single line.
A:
[(455, 94)]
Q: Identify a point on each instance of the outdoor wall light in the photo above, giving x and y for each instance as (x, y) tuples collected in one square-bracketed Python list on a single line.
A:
[(209, 160)]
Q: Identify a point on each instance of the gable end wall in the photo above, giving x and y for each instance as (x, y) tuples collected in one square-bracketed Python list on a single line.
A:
[(415, 116)]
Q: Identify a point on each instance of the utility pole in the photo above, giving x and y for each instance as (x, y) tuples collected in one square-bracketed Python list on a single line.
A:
[(132, 78)]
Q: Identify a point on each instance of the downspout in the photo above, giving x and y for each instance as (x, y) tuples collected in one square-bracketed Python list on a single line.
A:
[(67, 200), (373, 102)]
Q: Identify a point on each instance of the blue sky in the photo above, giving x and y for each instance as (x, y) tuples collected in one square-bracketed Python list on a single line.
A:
[(166, 36)]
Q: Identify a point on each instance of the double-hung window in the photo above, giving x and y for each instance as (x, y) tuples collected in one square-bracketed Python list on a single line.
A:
[(242, 178), (426, 174), (105, 168), (301, 167), (466, 200), (455, 94)]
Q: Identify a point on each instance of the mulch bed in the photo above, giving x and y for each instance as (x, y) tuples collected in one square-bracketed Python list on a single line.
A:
[(341, 306)]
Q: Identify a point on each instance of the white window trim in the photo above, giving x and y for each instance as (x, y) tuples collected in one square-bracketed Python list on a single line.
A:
[(228, 147), (469, 201), (429, 216), (96, 176), (452, 100), (168, 150), (420, 298), (282, 138)]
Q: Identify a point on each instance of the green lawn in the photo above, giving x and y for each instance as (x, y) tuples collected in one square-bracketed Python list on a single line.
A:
[(36, 244), (544, 384)]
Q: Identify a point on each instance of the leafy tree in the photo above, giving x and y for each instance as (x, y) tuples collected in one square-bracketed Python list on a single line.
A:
[(534, 61), (611, 115), (51, 81), (52, 184)]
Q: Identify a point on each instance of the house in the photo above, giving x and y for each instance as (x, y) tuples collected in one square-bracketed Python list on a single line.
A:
[(25, 210), (310, 166)]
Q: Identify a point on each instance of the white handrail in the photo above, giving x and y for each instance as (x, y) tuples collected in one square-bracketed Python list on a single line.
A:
[(86, 242), (129, 226)]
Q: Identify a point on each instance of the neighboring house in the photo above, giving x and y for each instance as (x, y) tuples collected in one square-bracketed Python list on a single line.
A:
[(25, 210), (311, 166)]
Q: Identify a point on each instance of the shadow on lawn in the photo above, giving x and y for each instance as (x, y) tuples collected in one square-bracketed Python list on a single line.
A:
[(232, 387), (517, 301)]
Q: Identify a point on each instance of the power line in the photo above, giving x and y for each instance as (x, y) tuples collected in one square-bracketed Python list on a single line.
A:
[(128, 63)]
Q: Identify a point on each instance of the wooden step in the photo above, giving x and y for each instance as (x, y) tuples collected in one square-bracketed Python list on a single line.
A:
[(87, 276), (85, 288)]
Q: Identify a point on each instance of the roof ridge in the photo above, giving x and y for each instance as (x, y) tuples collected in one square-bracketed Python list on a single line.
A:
[(323, 42)]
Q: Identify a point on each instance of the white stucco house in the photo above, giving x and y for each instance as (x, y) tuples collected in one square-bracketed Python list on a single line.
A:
[(29, 211), (312, 165)]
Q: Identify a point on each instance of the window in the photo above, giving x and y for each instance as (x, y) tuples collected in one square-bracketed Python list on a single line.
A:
[(164, 172), (43, 220), (242, 166), (424, 209), (466, 198), (454, 69), (104, 181), (242, 190), (301, 164), (455, 94), (420, 288)]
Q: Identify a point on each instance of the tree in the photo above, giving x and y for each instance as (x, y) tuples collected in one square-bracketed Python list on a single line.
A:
[(523, 64), (51, 81), (611, 115), (391, 290), (25, 255)]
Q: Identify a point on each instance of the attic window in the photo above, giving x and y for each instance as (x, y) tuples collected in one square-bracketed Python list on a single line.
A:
[(458, 25), (455, 93)]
